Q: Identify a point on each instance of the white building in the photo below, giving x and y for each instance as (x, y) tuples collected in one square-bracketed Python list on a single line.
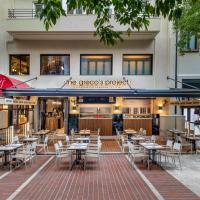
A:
[(70, 50)]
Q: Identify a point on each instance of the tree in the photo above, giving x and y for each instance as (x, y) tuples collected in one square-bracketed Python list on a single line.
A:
[(189, 23), (134, 13)]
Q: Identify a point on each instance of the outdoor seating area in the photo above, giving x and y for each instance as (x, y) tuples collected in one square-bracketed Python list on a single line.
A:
[(151, 151)]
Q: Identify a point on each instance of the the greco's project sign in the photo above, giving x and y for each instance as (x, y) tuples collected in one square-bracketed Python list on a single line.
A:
[(115, 83)]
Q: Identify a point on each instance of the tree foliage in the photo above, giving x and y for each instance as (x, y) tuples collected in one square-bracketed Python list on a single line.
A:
[(134, 14), (189, 23)]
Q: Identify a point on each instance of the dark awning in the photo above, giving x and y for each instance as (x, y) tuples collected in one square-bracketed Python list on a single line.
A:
[(102, 92)]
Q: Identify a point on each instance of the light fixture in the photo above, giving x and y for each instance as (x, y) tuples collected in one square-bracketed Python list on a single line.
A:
[(116, 107), (160, 107), (74, 108)]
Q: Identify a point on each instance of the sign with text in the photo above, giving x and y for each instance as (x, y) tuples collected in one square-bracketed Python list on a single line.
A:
[(115, 83)]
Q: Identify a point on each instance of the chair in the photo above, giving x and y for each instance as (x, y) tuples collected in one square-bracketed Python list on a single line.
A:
[(136, 152), (98, 131), (175, 153), (44, 145), (168, 147), (21, 157), (197, 146), (144, 132), (183, 142), (67, 140), (16, 140), (93, 151), (62, 154), (124, 142), (61, 146), (140, 131)]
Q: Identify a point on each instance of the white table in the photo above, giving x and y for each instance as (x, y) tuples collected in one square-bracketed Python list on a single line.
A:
[(82, 139), (138, 139), (7, 149), (29, 140), (152, 147), (79, 148)]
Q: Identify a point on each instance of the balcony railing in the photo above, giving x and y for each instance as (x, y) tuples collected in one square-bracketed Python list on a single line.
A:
[(22, 14)]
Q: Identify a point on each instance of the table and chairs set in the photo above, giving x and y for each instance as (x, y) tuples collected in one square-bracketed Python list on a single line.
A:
[(148, 150), (79, 148), (22, 150)]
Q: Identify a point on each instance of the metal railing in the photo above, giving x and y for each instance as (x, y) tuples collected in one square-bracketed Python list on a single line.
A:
[(22, 14)]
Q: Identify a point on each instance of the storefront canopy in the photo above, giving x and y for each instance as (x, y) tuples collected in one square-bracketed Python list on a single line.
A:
[(102, 92), (8, 82)]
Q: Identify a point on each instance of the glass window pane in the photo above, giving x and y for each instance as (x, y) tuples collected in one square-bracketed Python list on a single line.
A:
[(100, 68), (96, 64), (125, 68), (140, 67), (55, 65), (84, 68), (19, 64), (147, 68), (108, 68), (133, 69), (139, 64), (92, 68), (192, 42)]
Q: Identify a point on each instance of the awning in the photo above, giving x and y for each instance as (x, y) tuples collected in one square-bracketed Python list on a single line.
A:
[(102, 92), (8, 82)]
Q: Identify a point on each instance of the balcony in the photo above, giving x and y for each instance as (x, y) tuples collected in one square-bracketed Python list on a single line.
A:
[(24, 24)]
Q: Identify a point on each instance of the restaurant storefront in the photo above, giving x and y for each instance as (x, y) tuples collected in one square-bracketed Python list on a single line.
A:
[(92, 104)]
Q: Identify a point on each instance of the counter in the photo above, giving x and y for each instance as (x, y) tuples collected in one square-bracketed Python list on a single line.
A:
[(105, 125), (137, 123)]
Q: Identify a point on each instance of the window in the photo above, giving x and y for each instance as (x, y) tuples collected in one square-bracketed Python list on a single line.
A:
[(137, 65), (54, 65), (96, 65), (19, 64), (191, 43)]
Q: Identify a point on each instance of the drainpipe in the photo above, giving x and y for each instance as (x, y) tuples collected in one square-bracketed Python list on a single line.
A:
[(176, 68)]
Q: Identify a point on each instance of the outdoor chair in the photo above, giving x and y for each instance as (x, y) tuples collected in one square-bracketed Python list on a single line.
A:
[(16, 140), (124, 140), (67, 140), (44, 145), (137, 153), (61, 146), (93, 151), (184, 143), (175, 153), (21, 157), (163, 153), (197, 146), (60, 154)]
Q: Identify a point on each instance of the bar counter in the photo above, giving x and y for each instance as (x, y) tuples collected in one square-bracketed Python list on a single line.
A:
[(105, 125), (137, 123)]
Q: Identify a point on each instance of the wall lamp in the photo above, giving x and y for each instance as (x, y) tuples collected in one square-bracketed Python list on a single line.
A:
[(116, 107), (160, 107)]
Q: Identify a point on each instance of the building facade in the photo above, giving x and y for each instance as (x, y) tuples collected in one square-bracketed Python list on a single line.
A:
[(69, 51)]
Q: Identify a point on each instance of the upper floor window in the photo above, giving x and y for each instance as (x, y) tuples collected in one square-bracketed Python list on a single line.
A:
[(96, 65), (19, 64), (54, 64), (191, 43), (137, 65)]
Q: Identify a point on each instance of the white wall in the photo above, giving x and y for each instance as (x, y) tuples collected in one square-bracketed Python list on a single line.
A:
[(158, 47)]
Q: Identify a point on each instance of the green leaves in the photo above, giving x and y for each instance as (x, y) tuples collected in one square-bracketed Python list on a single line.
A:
[(131, 13), (189, 23), (51, 12)]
